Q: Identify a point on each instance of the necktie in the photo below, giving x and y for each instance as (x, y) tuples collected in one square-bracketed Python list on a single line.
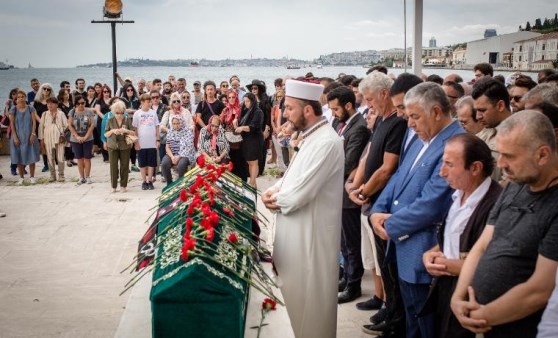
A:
[(341, 127)]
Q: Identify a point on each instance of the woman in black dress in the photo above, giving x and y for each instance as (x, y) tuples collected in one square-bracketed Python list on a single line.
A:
[(65, 105), (102, 107), (250, 126)]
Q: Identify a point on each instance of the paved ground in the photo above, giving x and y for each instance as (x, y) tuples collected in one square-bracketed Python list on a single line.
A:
[(62, 248)]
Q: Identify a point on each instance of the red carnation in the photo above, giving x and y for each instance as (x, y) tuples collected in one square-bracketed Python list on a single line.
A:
[(190, 210), (214, 218), (228, 211), (210, 234), (184, 255), (183, 195), (230, 166), (190, 244), (201, 161), (206, 223), (268, 304), (206, 209), (210, 167), (233, 238)]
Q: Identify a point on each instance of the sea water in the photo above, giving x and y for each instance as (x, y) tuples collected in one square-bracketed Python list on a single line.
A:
[(20, 78)]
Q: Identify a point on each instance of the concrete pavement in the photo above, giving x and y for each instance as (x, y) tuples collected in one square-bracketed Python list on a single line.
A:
[(62, 248)]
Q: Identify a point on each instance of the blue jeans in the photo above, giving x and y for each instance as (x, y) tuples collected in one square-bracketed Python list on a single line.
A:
[(414, 296)]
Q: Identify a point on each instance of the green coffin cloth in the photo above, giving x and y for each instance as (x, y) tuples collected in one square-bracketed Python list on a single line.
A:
[(199, 298)]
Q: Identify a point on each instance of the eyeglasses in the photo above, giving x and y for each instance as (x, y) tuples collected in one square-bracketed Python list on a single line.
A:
[(254, 88), (81, 103), (175, 101), (129, 90), (186, 97), (224, 86), (106, 91), (47, 89), (155, 97), (516, 98)]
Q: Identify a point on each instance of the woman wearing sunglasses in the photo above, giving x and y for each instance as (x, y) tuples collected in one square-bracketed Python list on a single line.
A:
[(81, 124)]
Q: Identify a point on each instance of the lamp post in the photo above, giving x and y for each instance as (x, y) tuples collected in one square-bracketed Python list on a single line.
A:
[(112, 14)]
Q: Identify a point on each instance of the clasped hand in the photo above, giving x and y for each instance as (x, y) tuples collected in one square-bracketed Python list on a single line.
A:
[(470, 313), (269, 199), (378, 224)]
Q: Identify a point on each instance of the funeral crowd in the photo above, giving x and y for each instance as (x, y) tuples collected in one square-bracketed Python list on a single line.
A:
[(445, 188)]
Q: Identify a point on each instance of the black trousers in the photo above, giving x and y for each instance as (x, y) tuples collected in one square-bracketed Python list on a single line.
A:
[(350, 245), (390, 278)]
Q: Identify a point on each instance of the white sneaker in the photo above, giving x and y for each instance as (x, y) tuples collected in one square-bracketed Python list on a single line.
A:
[(20, 181), (80, 181), (32, 180), (88, 180)]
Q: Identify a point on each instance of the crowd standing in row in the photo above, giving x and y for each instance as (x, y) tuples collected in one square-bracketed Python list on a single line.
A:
[(448, 196), (447, 185)]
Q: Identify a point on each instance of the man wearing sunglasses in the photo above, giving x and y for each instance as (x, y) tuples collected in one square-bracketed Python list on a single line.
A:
[(521, 86)]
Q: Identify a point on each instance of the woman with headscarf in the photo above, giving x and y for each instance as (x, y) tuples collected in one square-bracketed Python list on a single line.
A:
[(258, 88), (229, 114), (212, 144), (250, 125), (179, 149)]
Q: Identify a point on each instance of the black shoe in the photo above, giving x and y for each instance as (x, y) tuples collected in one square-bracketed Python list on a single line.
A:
[(376, 328), (379, 316), (349, 294), (388, 333), (373, 303), (144, 186), (150, 186), (342, 285)]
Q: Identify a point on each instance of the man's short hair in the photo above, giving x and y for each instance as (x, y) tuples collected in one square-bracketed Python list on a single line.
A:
[(467, 101), (494, 90), (500, 78), (379, 68), (484, 68), (34, 80), (545, 73), (428, 94), (79, 79), (551, 78), (536, 129), (435, 78), (456, 86), (343, 94), (155, 81), (403, 83), (331, 87), (356, 82), (167, 83), (315, 105), (347, 79), (525, 81), (375, 82), (278, 82), (153, 91), (475, 149), (64, 83), (181, 80)]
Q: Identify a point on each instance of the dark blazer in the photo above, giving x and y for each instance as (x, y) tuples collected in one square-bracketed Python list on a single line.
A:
[(417, 199), (355, 138)]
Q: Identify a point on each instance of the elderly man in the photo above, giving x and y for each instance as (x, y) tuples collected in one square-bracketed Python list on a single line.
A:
[(467, 115), (308, 200), (351, 126), (467, 165), (416, 199), (508, 276)]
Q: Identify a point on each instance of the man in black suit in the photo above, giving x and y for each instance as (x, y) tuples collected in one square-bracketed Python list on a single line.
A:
[(351, 127)]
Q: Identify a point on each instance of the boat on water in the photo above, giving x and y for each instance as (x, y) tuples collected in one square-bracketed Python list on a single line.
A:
[(5, 66), (319, 66), (194, 64), (293, 67)]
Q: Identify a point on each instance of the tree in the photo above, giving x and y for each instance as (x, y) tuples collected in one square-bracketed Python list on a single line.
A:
[(528, 26), (538, 24), (520, 28), (546, 24), (556, 20)]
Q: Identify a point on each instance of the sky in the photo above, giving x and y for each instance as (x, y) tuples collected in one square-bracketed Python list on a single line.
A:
[(59, 33)]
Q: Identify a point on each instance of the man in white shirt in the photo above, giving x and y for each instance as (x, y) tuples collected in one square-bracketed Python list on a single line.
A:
[(467, 166)]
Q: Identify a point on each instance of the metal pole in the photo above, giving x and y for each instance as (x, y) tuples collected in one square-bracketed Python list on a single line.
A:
[(406, 59), (417, 39), (114, 66)]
